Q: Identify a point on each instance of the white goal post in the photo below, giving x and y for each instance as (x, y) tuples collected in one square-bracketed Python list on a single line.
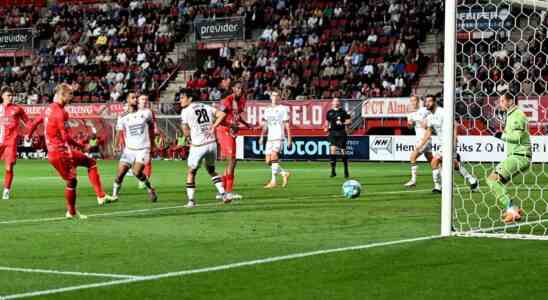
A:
[(491, 47)]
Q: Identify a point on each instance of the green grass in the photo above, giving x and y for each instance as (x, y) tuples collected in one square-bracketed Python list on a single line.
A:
[(309, 215)]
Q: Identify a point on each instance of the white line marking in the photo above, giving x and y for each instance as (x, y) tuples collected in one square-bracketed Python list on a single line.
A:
[(214, 269), (55, 272), (144, 210)]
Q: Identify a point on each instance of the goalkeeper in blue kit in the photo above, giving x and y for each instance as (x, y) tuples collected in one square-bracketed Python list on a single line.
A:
[(518, 156)]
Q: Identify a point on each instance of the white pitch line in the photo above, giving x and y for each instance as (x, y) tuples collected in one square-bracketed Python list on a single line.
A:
[(214, 269), (56, 272)]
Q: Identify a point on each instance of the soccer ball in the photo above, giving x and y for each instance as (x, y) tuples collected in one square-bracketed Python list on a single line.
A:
[(351, 189)]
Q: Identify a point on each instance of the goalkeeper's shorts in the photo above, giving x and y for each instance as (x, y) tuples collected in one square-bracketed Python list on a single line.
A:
[(513, 165)]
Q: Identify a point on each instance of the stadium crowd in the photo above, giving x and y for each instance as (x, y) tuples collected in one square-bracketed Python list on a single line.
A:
[(322, 49), (107, 48)]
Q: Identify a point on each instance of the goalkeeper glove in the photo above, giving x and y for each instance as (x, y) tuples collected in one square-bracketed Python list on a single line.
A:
[(498, 135)]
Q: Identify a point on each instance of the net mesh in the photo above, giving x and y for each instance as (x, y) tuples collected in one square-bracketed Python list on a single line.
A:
[(501, 48)]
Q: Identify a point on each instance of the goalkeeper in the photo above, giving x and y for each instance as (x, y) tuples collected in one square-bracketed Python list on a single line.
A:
[(518, 156)]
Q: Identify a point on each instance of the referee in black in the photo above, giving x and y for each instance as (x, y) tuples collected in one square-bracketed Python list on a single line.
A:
[(338, 120)]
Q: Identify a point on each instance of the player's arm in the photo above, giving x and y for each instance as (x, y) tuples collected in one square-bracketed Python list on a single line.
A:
[(65, 135), (243, 121), (219, 118), (409, 122), (23, 117), (186, 131), (288, 132), (264, 130), (328, 118), (39, 120), (151, 132)]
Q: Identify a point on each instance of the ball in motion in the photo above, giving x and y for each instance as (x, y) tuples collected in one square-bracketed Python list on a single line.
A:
[(351, 189)]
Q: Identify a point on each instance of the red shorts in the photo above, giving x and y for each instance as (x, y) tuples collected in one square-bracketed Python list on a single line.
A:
[(66, 163), (227, 141), (8, 153)]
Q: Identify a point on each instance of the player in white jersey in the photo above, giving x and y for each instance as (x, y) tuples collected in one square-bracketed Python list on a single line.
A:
[(136, 126), (417, 120), (276, 124), (434, 131), (144, 104), (198, 122)]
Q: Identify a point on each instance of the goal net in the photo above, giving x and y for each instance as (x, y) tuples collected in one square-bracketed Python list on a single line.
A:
[(501, 47)]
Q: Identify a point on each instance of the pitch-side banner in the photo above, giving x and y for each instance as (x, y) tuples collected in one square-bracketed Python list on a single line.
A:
[(386, 108), (219, 29), (82, 110), (16, 42), (309, 148), (470, 148), (302, 114)]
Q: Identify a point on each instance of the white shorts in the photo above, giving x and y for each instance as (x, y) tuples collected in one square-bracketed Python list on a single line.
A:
[(131, 157), (198, 153), (439, 153), (273, 146)]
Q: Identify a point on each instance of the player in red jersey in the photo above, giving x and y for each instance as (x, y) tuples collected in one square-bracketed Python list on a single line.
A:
[(143, 105), (10, 117), (61, 156), (233, 106)]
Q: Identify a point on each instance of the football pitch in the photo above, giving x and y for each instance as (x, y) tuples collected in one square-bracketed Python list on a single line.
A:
[(300, 242)]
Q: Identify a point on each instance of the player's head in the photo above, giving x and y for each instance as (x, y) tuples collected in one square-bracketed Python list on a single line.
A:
[(336, 103), (132, 101), (63, 94), (430, 103), (143, 101), (185, 100), (275, 98), (415, 102), (506, 102), (237, 89), (7, 95)]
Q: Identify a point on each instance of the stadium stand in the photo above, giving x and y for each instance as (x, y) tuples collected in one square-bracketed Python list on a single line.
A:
[(107, 48)]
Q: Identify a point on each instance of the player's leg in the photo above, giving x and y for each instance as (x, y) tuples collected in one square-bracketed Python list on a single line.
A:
[(268, 161), (148, 173), (228, 151), (344, 157), (138, 170), (436, 173), (414, 168), (64, 165), (333, 159), (498, 179), (82, 160), (9, 155), (193, 163), (472, 181), (210, 157), (123, 168)]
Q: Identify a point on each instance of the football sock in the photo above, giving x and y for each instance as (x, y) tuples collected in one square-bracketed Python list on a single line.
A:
[(190, 190), (436, 176), (8, 179), (333, 162), (464, 172), (95, 179), (345, 163), (500, 192), (414, 169), (229, 183), (142, 177), (116, 189), (148, 170), (70, 198), (275, 166), (218, 184)]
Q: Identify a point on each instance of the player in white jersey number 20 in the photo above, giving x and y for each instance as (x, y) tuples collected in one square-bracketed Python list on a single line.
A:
[(137, 128), (434, 130), (276, 124), (417, 120), (198, 122)]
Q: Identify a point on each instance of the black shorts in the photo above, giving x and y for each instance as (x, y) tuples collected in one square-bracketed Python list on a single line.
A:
[(338, 141)]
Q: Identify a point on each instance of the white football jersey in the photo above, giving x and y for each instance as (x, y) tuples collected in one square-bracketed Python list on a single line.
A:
[(435, 121), (418, 118), (275, 118), (199, 118), (135, 126)]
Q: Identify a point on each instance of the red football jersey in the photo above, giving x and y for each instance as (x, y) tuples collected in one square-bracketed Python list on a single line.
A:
[(10, 116), (57, 134), (232, 106)]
